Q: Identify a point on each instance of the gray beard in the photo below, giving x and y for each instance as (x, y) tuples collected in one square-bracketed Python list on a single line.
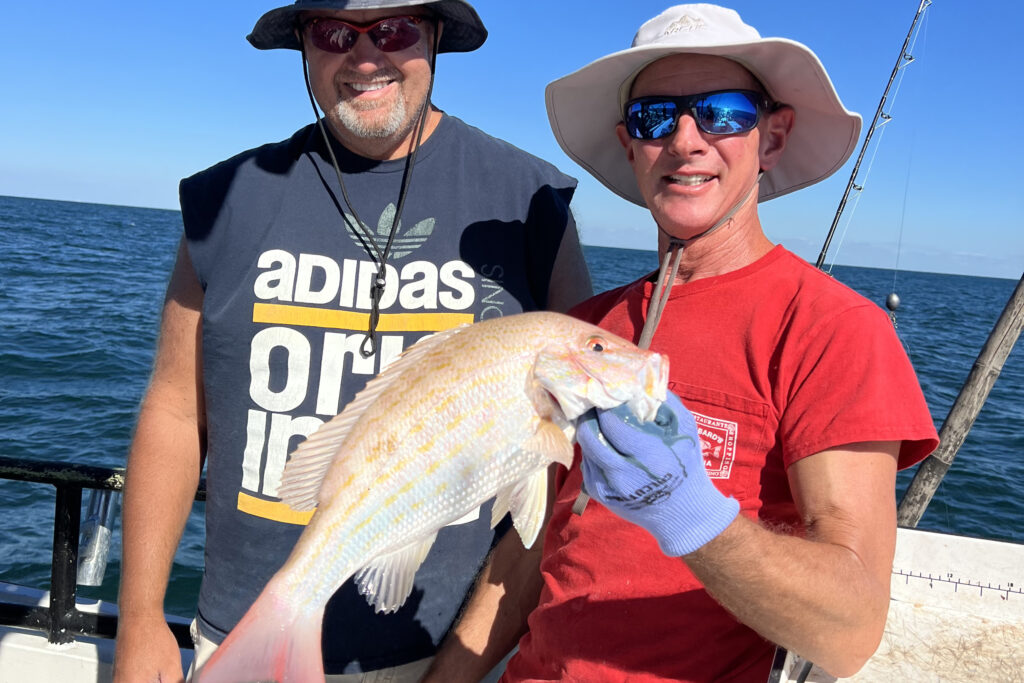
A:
[(350, 119)]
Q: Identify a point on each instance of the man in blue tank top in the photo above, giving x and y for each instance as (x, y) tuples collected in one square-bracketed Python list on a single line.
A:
[(306, 266)]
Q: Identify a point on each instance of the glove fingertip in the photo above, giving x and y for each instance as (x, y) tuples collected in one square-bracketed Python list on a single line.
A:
[(587, 429), (614, 423)]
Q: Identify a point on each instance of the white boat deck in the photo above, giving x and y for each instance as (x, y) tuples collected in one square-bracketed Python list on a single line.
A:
[(956, 614)]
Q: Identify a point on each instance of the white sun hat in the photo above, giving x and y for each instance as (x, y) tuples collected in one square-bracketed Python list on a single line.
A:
[(585, 106)]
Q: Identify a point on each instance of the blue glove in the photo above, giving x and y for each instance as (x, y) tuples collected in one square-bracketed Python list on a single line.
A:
[(652, 474)]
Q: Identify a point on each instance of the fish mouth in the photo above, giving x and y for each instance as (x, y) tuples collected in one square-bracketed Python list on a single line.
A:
[(645, 405), (643, 388)]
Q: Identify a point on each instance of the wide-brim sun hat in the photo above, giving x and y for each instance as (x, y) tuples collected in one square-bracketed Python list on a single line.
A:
[(463, 29), (584, 107)]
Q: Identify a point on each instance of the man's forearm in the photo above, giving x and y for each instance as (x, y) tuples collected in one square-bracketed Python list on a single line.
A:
[(160, 486), (815, 598), (824, 595), (495, 615), (162, 476)]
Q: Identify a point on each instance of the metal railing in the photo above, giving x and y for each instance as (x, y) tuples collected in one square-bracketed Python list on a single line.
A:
[(61, 620)]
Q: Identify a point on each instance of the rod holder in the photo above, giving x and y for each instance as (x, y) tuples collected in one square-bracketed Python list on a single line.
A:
[(97, 530)]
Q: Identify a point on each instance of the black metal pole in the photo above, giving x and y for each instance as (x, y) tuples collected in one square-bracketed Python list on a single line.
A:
[(67, 517)]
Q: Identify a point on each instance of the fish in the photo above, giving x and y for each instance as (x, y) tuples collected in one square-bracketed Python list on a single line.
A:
[(462, 416)]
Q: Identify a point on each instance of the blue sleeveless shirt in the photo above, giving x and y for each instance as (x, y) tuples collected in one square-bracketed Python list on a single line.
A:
[(287, 297)]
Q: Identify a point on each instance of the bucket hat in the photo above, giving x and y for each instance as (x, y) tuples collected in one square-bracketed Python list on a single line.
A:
[(463, 29), (584, 107)]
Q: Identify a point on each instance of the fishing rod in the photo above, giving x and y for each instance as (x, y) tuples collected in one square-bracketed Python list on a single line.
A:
[(903, 60)]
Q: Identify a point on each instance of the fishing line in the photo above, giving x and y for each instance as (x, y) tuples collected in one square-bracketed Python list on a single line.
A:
[(860, 192), (892, 301), (910, 163), (899, 238), (887, 116)]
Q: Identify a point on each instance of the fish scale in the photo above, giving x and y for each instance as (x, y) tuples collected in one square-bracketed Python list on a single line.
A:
[(460, 417), (458, 439)]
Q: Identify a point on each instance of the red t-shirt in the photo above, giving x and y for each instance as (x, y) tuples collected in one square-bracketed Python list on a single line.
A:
[(777, 361)]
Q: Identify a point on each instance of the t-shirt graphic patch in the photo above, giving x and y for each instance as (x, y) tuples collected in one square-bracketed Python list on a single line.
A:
[(717, 444)]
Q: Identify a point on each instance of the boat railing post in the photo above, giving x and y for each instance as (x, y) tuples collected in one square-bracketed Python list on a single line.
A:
[(61, 619), (66, 519), (965, 409)]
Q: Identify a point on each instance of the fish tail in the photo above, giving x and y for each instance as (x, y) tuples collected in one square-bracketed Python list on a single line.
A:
[(272, 642)]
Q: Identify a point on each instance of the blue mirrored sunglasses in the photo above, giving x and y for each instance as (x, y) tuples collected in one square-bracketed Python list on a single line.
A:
[(723, 112)]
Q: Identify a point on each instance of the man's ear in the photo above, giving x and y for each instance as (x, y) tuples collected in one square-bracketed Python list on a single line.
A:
[(774, 134), (624, 140)]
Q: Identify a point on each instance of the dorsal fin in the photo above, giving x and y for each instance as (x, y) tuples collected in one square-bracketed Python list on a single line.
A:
[(308, 464)]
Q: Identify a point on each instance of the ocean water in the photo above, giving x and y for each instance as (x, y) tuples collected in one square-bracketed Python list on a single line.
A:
[(81, 287)]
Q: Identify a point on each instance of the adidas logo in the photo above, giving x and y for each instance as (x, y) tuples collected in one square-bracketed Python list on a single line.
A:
[(405, 242)]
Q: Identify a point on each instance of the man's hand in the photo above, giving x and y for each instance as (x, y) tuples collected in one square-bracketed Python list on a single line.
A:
[(146, 652), (652, 474)]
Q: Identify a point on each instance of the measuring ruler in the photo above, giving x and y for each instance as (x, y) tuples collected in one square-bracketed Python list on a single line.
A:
[(959, 583), (958, 573), (956, 613)]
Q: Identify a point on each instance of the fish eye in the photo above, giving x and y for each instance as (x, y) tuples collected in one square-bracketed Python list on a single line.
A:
[(595, 344)]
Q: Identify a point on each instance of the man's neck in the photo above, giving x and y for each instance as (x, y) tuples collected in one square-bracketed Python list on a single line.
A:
[(733, 246), (385, 149)]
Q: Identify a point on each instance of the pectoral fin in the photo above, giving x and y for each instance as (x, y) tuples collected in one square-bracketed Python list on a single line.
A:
[(551, 442), (526, 501), (387, 580)]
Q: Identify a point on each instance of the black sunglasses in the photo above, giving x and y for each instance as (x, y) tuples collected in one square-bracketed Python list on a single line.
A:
[(722, 112)]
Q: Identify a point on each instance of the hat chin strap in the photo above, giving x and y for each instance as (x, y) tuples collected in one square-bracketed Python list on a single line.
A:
[(722, 221), (670, 267)]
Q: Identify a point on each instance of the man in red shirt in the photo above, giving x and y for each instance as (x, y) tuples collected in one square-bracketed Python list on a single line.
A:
[(763, 512)]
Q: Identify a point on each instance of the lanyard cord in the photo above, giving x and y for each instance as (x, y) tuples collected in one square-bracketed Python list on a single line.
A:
[(369, 345)]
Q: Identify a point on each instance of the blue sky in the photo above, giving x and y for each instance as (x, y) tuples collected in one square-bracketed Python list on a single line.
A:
[(113, 103)]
